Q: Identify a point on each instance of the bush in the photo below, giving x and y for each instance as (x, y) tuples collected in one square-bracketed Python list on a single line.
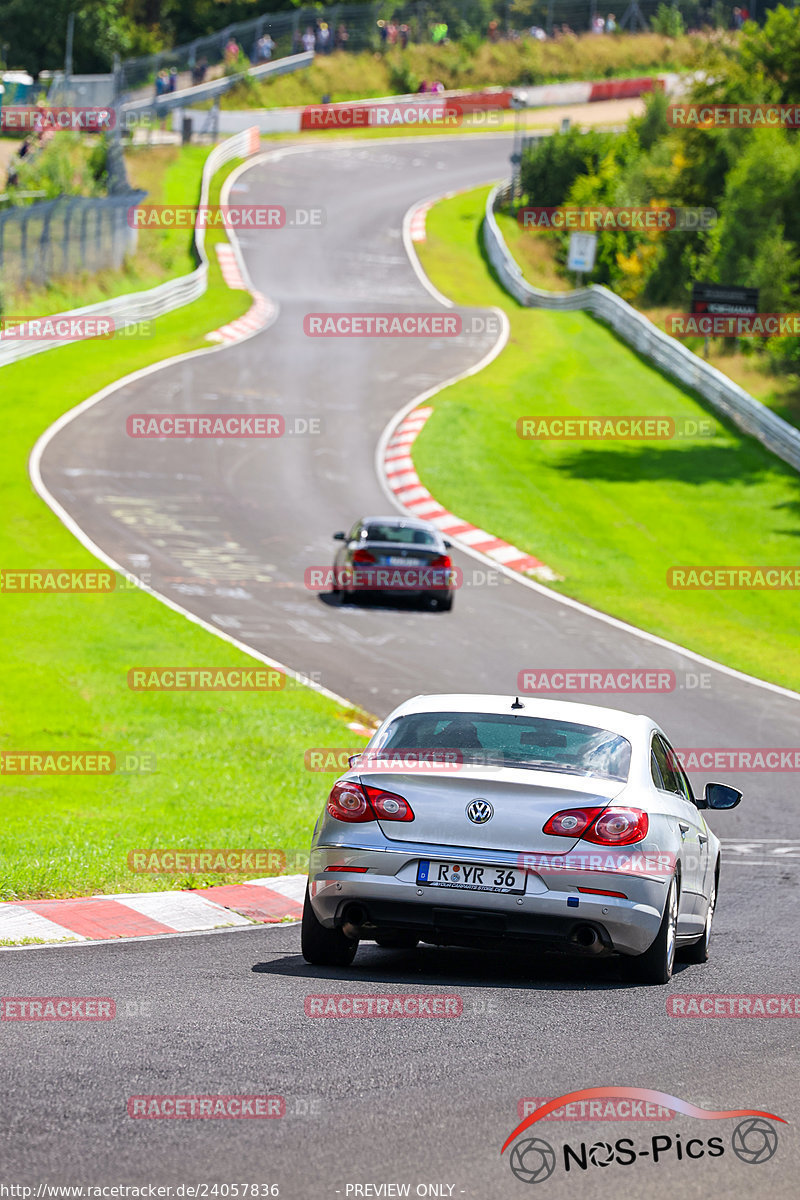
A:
[(549, 169), (668, 21)]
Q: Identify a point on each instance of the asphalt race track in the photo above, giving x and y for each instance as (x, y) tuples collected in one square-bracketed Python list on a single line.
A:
[(227, 530)]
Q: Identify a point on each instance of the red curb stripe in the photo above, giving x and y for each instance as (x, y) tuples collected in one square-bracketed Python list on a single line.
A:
[(251, 900), (96, 918)]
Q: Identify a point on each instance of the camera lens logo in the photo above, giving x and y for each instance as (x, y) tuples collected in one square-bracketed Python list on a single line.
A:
[(601, 1154), (754, 1140), (533, 1160)]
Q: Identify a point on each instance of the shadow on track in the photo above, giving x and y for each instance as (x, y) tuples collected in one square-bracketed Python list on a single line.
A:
[(456, 967)]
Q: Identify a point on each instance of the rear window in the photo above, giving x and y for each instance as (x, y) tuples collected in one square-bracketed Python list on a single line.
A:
[(404, 534), (499, 739)]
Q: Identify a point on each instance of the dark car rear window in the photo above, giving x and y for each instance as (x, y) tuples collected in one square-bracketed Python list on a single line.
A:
[(499, 739), (404, 534)]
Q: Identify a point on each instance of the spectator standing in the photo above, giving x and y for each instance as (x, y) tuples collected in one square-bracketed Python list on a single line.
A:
[(231, 51), (264, 48), (172, 83), (403, 34), (611, 23), (342, 37), (308, 39), (324, 38), (598, 25)]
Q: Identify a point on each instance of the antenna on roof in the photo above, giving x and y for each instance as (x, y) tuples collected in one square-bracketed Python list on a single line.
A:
[(517, 703)]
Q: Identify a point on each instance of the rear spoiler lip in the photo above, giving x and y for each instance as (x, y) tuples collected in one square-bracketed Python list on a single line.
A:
[(499, 775)]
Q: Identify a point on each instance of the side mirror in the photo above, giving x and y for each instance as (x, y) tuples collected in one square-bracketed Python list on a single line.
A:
[(448, 545), (720, 795), (340, 537)]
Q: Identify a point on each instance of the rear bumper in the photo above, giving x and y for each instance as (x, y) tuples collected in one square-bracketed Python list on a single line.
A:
[(387, 899)]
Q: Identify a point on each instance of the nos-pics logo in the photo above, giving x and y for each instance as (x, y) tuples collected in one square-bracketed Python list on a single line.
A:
[(754, 1140)]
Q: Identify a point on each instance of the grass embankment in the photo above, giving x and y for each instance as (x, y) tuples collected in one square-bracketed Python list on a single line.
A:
[(348, 76), (229, 766), (536, 254), (610, 517)]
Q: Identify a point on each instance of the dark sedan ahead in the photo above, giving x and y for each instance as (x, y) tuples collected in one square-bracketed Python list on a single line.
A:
[(394, 556)]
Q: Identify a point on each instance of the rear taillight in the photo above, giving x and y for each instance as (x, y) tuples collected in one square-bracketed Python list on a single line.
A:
[(388, 805), (442, 563), (571, 822), (354, 802), (618, 827), (347, 802), (363, 556), (603, 826)]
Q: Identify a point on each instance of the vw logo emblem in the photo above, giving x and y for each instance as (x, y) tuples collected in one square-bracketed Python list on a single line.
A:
[(480, 811)]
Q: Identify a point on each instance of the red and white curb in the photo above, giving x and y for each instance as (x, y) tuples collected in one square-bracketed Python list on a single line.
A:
[(402, 478), (417, 223), (148, 914), (258, 317)]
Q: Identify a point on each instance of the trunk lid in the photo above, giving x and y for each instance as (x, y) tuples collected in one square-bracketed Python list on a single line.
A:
[(521, 800)]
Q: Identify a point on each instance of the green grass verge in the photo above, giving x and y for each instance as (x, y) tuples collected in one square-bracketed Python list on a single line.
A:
[(610, 517), (229, 766)]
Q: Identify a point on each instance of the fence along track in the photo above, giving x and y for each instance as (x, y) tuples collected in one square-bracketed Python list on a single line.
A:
[(748, 414), (175, 293)]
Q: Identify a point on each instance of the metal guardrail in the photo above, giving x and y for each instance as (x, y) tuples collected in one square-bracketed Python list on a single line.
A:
[(748, 414), (175, 293), (210, 90)]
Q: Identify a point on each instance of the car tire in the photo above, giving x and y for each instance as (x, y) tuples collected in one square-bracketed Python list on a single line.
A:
[(397, 941), (698, 952), (655, 965), (324, 947)]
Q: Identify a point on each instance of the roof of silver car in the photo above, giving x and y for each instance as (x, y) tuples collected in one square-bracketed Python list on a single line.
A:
[(627, 724)]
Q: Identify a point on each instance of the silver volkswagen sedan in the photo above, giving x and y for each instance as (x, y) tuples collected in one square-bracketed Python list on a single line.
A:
[(495, 822)]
